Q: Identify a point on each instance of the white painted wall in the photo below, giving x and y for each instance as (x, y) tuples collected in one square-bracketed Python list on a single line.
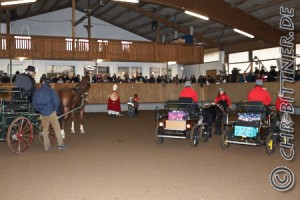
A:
[(58, 23)]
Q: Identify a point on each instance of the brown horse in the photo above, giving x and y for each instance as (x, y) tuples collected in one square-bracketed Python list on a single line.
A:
[(73, 99)]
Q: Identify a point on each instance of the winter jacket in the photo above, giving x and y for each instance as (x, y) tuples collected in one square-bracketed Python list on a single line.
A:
[(45, 100), (188, 92), (223, 97), (260, 94)]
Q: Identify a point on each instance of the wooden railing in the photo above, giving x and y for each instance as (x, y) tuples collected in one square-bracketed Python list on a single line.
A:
[(159, 93), (59, 48)]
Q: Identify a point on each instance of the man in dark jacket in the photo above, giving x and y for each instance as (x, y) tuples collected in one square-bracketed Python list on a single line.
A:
[(26, 81), (46, 102)]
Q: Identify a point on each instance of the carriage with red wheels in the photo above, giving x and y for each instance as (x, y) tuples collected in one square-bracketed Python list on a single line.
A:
[(18, 121)]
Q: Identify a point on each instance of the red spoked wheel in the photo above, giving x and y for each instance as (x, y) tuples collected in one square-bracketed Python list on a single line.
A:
[(19, 134), (52, 136)]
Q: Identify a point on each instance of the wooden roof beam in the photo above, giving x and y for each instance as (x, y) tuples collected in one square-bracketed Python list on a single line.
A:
[(223, 12), (167, 23)]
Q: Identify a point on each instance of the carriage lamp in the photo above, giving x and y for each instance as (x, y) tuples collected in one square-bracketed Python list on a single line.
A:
[(161, 124), (188, 126)]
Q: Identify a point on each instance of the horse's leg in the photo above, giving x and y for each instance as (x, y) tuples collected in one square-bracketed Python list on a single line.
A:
[(218, 123), (73, 122), (63, 123), (81, 121)]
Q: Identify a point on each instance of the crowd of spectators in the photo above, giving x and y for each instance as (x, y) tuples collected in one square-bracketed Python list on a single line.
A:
[(235, 76)]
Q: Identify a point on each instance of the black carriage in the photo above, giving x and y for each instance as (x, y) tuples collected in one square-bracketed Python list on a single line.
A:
[(181, 119), (254, 125), (18, 120)]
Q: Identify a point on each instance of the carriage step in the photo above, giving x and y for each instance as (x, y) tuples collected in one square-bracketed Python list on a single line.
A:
[(246, 143), (172, 136)]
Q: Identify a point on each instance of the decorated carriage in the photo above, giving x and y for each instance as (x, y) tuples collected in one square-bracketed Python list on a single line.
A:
[(254, 125), (181, 119)]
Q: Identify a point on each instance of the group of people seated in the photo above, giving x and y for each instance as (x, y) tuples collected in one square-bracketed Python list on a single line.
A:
[(258, 93)]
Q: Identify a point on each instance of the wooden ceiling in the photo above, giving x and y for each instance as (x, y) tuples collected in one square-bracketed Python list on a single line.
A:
[(258, 17)]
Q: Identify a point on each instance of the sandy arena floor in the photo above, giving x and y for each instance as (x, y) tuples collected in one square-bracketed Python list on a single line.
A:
[(118, 159)]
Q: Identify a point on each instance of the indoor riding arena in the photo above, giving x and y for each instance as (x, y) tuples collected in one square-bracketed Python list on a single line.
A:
[(118, 158), (172, 99)]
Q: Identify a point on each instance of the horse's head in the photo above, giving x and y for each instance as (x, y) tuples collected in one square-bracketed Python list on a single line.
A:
[(84, 85), (223, 105)]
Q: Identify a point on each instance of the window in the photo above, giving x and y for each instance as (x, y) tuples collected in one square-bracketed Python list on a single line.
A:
[(155, 71), (102, 44), (126, 46), (238, 57), (239, 61), (80, 44), (211, 56), (55, 71), (3, 43), (135, 71), (266, 54), (122, 71), (103, 70), (23, 42)]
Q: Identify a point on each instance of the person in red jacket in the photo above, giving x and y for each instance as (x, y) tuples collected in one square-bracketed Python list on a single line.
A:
[(279, 101), (258, 93), (223, 97), (188, 92)]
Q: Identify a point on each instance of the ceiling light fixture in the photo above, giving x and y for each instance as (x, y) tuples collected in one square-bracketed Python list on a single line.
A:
[(8, 3), (243, 33), (128, 1), (196, 15), (172, 62)]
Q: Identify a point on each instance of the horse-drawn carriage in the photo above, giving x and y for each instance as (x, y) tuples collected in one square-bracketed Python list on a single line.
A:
[(19, 121), (254, 125), (181, 119)]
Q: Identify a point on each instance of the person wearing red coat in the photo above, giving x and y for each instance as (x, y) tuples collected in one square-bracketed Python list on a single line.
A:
[(188, 92), (222, 96), (114, 103), (279, 101), (259, 94)]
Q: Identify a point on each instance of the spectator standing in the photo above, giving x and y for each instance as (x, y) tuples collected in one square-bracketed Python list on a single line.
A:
[(14, 77)]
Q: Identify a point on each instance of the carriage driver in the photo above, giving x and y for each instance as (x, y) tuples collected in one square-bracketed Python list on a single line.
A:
[(26, 81), (188, 92), (258, 93), (46, 102), (222, 96)]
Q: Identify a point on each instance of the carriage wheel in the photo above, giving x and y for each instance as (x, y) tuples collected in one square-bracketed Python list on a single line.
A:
[(204, 132), (225, 136), (158, 132), (52, 136), (270, 143), (194, 137), (19, 134)]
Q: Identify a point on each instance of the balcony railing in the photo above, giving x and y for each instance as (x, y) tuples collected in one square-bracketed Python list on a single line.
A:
[(59, 48)]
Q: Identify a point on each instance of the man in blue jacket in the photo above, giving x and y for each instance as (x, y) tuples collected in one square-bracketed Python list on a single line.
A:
[(46, 102)]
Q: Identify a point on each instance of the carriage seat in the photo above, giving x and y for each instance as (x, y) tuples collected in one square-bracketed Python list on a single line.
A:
[(255, 107), (189, 105), (20, 94)]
